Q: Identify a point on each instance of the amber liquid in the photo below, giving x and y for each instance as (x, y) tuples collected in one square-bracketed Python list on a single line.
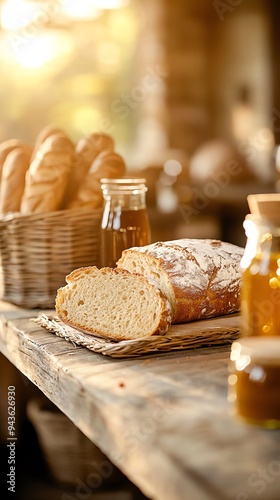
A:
[(257, 390), (260, 297), (122, 229)]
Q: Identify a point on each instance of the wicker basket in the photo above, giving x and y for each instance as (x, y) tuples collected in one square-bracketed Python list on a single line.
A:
[(70, 456), (38, 251)]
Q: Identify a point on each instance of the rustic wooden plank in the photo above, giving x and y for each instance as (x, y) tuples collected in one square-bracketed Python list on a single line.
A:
[(164, 420)]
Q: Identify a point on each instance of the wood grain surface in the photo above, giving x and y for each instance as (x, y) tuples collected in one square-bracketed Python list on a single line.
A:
[(164, 420)]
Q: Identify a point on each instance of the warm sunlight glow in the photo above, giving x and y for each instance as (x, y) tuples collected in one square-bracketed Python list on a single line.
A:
[(43, 48), (89, 9), (108, 56), (86, 117), (109, 4), (37, 51), (81, 10), (17, 14), (64, 61)]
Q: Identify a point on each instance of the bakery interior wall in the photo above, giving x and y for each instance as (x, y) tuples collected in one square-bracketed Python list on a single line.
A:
[(188, 89)]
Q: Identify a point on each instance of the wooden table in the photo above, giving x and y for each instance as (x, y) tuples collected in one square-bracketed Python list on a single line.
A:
[(164, 420)]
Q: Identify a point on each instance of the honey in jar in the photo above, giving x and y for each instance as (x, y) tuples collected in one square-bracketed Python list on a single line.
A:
[(260, 275), (254, 380), (125, 221)]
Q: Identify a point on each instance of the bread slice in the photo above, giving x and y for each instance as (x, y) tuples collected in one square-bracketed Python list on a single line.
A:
[(200, 277), (112, 303)]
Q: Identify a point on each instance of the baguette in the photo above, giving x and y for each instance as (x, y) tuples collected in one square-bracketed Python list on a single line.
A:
[(87, 150), (107, 164), (13, 179), (44, 134), (7, 146), (200, 278), (112, 303), (92, 145), (48, 175)]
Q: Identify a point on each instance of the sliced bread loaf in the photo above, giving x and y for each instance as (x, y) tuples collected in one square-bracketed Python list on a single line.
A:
[(113, 303), (200, 277)]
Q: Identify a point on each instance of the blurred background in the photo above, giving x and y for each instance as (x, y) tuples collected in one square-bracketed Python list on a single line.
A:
[(188, 90)]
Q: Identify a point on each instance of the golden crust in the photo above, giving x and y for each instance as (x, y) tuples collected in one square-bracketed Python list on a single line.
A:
[(13, 179), (48, 175), (106, 164), (201, 278)]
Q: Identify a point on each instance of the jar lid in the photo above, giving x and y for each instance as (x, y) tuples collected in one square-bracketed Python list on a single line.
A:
[(265, 206), (123, 181), (264, 350), (123, 185)]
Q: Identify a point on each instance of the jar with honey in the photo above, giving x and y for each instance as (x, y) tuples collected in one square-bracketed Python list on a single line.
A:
[(125, 221), (254, 380), (260, 268)]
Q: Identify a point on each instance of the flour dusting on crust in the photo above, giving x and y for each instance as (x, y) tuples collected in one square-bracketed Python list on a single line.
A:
[(200, 277), (209, 262)]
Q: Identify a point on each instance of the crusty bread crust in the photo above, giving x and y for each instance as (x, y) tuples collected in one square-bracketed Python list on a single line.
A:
[(7, 146), (100, 295), (13, 179), (43, 135), (48, 175), (90, 146), (87, 149), (201, 278), (106, 164), (60, 174)]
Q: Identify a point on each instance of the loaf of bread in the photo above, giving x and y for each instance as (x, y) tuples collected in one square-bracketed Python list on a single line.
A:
[(106, 164), (153, 286), (48, 175), (13, 179), (7, 146), (112, 303), (44, 134), (90, 146), (60, 175), (200, 278), (87, 150)]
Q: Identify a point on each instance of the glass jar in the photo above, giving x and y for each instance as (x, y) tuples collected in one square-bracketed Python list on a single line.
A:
[(254, 380), (125, 221), (260, 278)]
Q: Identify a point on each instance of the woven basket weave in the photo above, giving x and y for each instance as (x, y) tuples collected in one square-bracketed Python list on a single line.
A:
[(70, 456), (38, 251)]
